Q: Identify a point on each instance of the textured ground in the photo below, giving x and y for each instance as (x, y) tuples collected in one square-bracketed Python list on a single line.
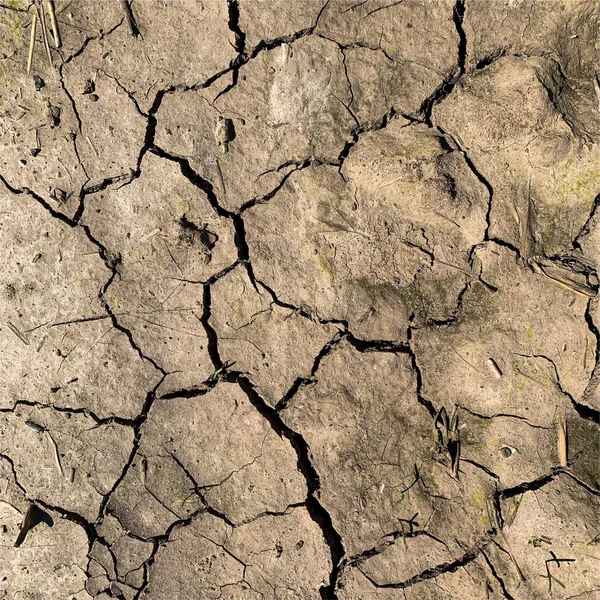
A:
[(298, 301)]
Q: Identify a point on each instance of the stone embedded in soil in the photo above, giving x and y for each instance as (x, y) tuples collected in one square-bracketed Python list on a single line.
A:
[(274, 346), (507, 446)]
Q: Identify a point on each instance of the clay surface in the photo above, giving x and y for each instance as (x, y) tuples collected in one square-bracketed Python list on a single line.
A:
[(298, 300)]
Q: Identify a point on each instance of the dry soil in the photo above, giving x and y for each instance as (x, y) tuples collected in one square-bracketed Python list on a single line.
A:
[(298, 300)]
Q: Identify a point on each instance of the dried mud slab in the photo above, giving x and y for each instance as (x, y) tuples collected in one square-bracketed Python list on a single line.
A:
[(359, 420), (531, 328), (371, 443), (166, 239), (275, 346), (288, 107), (298, 300), (37, 132), (112, 129), (172, 51), (364, 243), (385, 575), (239, 466), (77, 460), (40, 124), (275, 557), (563, 31), (494, 29), (541, 542), (58, 344), (544, 177), (52, 558), (118, 559), (389, 63), (282, 20)]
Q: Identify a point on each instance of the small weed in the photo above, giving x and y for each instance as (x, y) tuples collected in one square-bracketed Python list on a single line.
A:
[(447, 436), (184, 501), (220, 372), (400, 497), (549, 575)]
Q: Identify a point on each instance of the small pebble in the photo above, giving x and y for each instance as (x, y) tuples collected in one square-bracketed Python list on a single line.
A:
[(38, 82)]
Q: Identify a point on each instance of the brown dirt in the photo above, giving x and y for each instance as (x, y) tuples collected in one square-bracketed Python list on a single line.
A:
[(298, 300)]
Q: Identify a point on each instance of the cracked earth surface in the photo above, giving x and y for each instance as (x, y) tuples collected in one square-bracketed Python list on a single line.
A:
[(298, 300)]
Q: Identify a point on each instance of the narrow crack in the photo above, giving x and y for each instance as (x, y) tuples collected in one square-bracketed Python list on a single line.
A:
[(72, 411), (244, 55), (113, 265), (453, 77), (389, 540), (417, 370), (315, 508), (270, 195), (583, 410), (101, 35), (382, 123), (481, 467), (501, 416), (301, 382), (138, 427), (496, 576), (490, 58), (586, 227), (527, 486), (160, 541), (449, 567)]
